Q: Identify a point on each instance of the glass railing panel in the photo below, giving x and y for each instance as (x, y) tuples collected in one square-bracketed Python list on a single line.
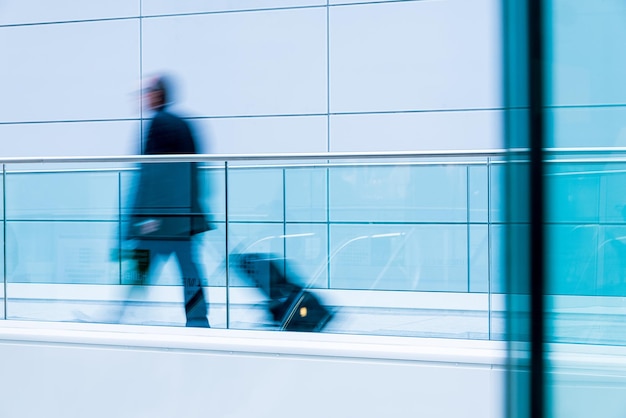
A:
[(497, 258), (61, 252), (397, 231), (478, 193), (589, 259), (611, 258), (516, 208), (306, 246), (70, 258), (478, 262), (4, 272), (2, 194), (613, 193), (213, 191), (48, 265), (257, 238), (61, 226), (574, 260), (88, 195), (398, 193), (399, 257), (3, 241), (248, 294), (574, 191), (306, 194), (211, 255), (255, 194)]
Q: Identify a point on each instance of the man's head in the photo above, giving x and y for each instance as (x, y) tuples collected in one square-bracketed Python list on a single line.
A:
[(156, 92)]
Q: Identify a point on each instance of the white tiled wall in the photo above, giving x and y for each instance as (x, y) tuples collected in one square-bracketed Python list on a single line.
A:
[(423, 130), (259, 76), (77, 138), (161, 7), (15, 12), (265, 135), (70, 71), (417, 55), (252, 63)]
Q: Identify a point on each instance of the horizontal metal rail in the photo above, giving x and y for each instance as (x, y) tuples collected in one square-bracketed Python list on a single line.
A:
[(257, 157), (616, 152)]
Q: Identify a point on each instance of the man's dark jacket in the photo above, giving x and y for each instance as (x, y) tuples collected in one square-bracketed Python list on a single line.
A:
[(168, 193)]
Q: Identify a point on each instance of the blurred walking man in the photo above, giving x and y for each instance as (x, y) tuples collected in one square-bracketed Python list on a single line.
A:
[(166, 211)]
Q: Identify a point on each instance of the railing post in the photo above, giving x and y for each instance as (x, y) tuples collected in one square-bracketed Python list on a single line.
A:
[(4, 237), (226, 251), (119, 227), (489, 318), (468, 242)]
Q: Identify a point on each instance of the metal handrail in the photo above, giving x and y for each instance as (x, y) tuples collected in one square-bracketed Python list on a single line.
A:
[(328, 156), (259, 157)]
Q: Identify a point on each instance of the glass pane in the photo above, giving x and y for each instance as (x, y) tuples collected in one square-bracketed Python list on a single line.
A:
[(248, 290), (61, 252), (306, 194), (255, 194), (574, 191), (66, 258), (401, 280), (3, 281), (586, 97), (478, 193), (75, 195), (307, 250), (479, 254), (399, 257), (398, 193)]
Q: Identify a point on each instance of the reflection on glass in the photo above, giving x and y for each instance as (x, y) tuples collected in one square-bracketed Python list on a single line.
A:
[(61, 252), (307, 248), (306, 194), (586, 94), (62, 195), (363, 239), (399, 257), (255, 195), (398, 193)]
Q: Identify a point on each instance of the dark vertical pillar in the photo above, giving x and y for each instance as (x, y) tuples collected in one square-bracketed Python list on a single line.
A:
[(536, 129)]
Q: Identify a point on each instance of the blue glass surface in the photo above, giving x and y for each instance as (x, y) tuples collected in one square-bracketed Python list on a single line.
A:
[(211, 255), (255, 194), (398, 193), (573, 255), (573, 192), (479, 253), (585, 92), (10, 239), (497, 188), (478, 193), (212, 192), (517, 209), (612, 195), (399, 257), (244, 238), (2, 194), (62, 195), (307, 252), (62, 252), (306, 194), (498, 261)]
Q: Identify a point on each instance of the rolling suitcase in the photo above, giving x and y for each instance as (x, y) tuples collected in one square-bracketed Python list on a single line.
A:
[(293, 307)]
